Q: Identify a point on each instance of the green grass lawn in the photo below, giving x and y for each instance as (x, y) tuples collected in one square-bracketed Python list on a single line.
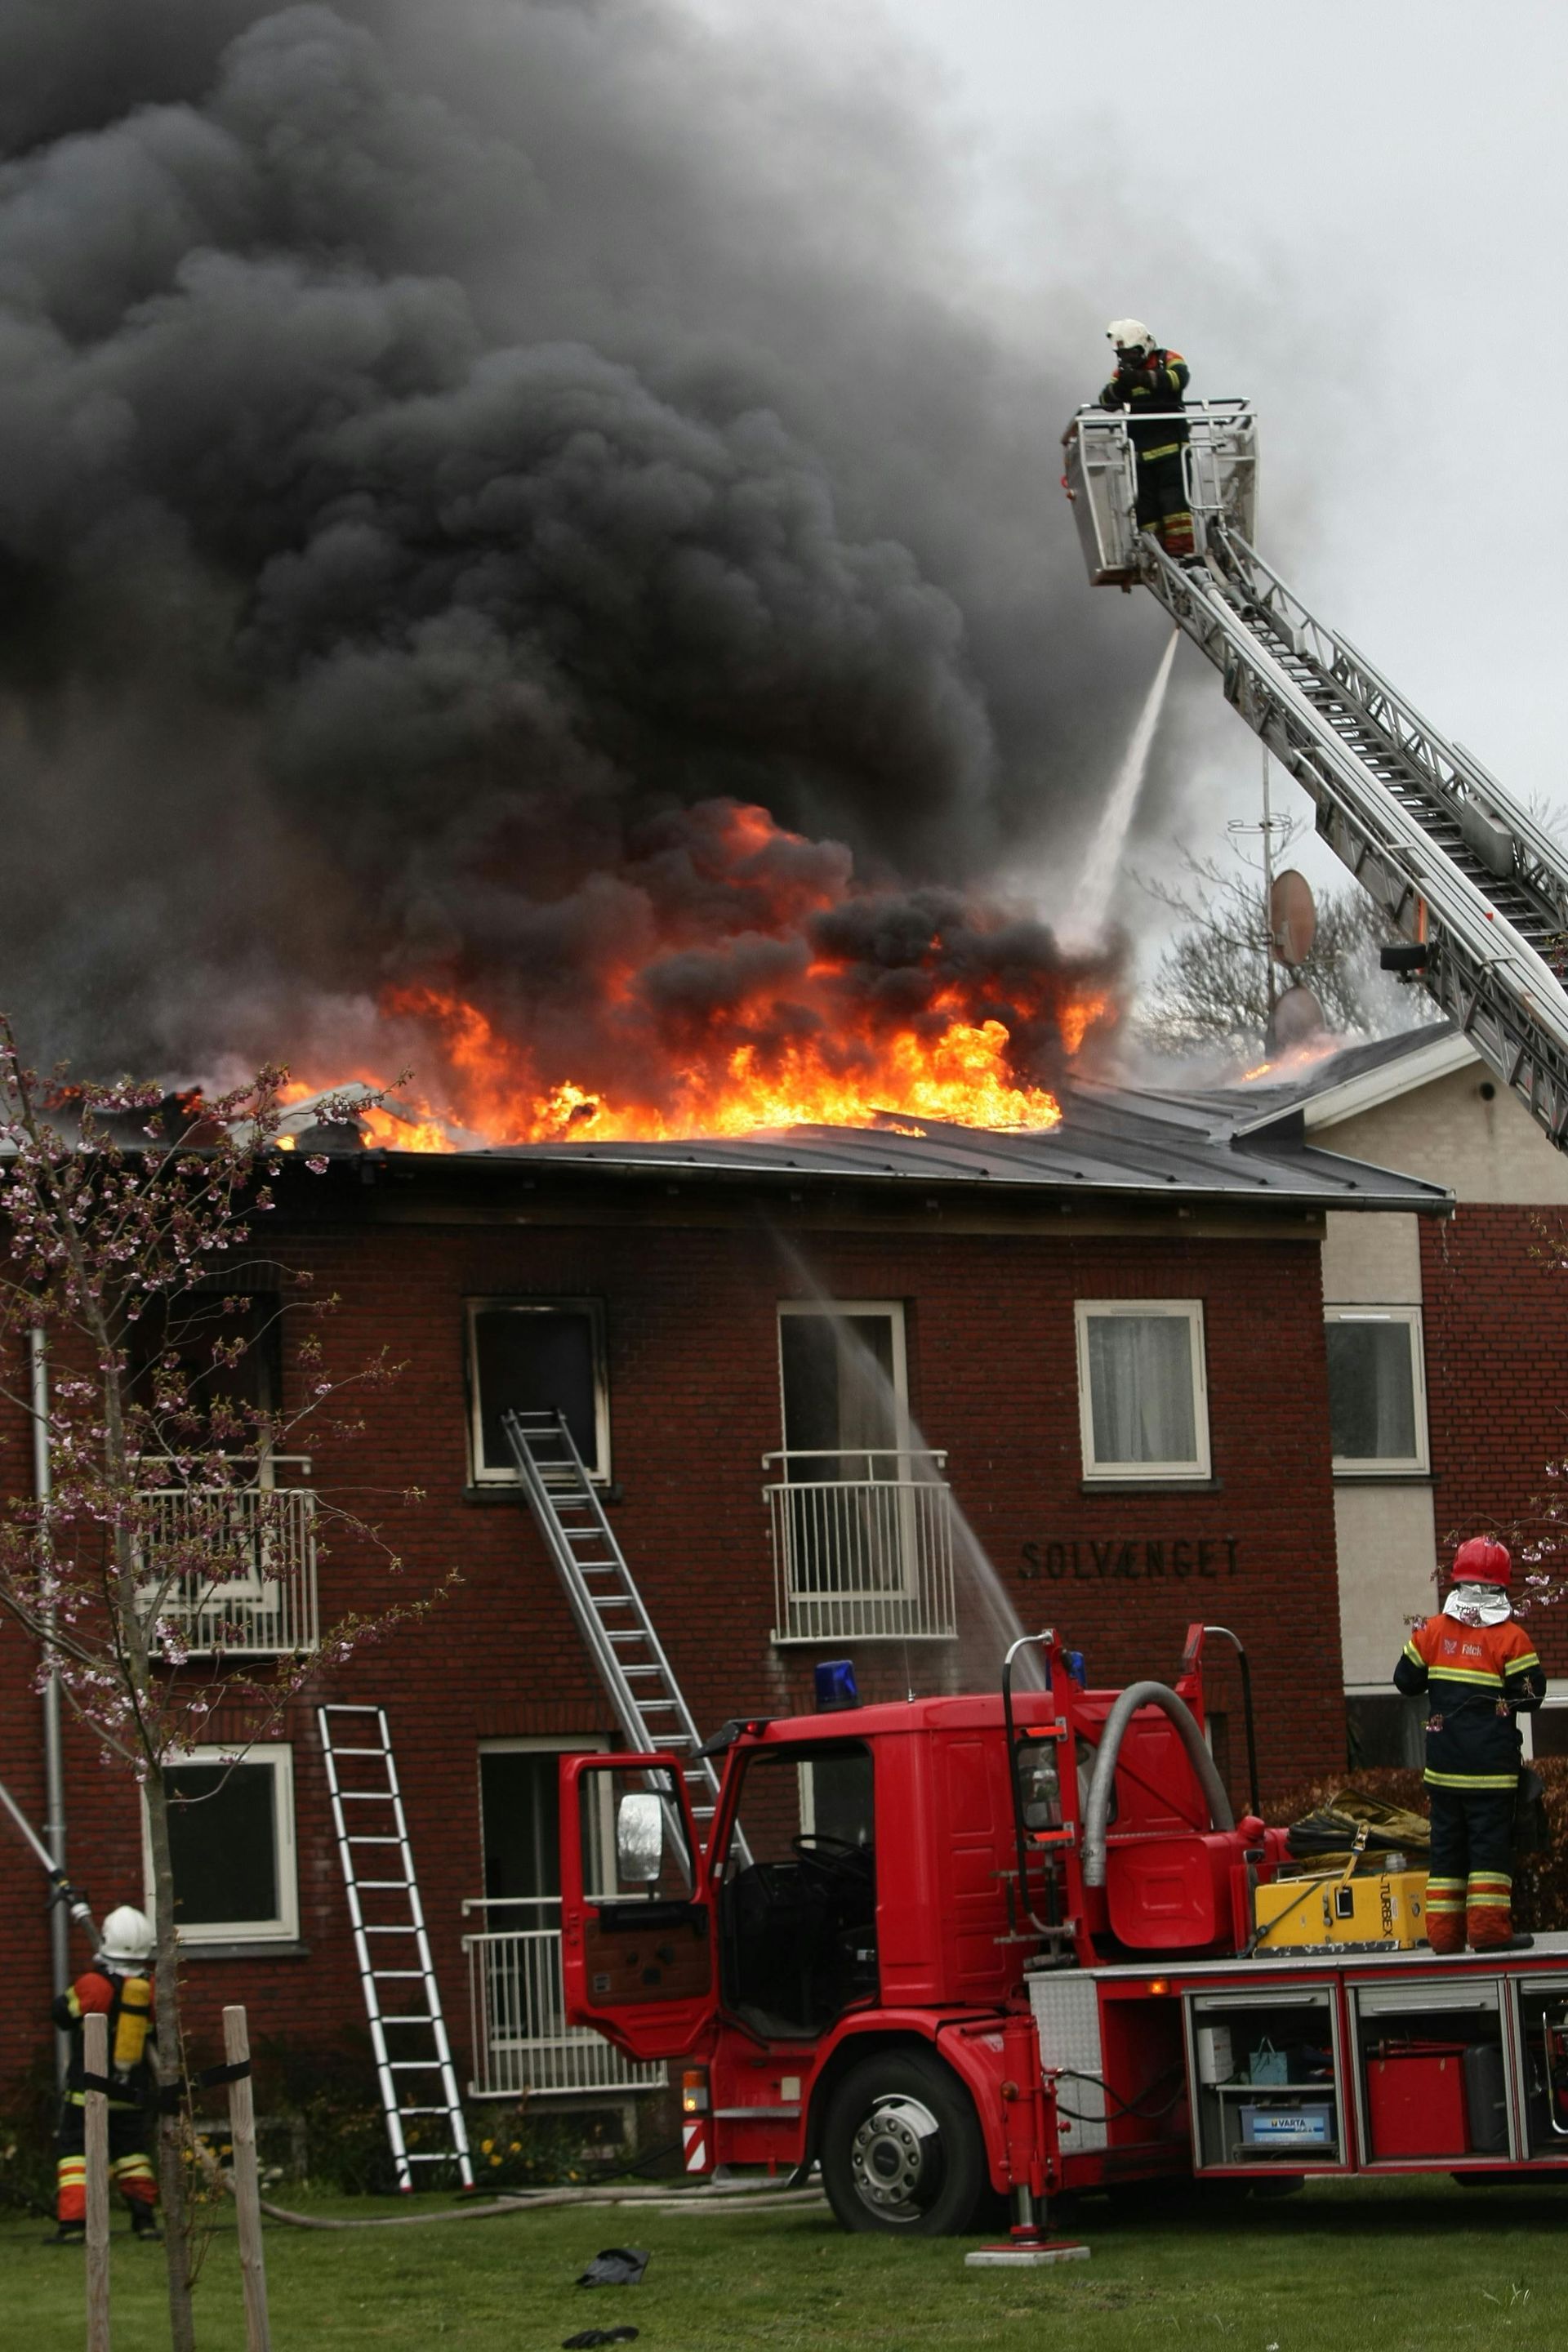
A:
[(1399, 2266)]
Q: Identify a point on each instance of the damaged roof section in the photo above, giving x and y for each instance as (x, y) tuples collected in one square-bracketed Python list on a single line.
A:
[(1112, 1140)]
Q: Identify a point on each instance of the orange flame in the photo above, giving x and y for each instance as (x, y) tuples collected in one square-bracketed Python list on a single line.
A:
[(786, 1024)]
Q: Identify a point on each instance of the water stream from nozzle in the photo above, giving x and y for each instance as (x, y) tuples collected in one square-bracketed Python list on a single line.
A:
[(1091, 909), (987, 1622)]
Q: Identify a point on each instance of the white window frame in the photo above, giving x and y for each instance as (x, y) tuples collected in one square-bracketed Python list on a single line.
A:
[(284, 1928), (1391, 1466), (1191, 1311), (480, 1473), (832, 1308)]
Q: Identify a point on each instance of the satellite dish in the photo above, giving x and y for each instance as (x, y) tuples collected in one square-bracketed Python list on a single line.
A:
[(1297, 1020), (1292, 918)]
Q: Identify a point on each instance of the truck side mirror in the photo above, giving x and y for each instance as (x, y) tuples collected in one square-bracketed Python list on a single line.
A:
[(640, 1839)]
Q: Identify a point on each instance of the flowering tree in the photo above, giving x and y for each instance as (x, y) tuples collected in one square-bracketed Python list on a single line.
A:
[(121, 1210)]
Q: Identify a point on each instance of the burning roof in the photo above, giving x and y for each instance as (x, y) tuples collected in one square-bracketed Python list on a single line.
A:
[(749, 982)]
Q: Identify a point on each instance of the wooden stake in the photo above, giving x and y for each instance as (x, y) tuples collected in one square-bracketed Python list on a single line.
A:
[(247, 2184), (95, 2119)]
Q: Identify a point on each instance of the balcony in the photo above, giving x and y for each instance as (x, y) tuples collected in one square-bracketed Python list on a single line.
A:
[(862, 1547), (258, 1600), (522, 2044)]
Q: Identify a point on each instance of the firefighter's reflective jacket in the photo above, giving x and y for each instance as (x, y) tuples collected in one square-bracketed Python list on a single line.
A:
[(127, 2002), (1476, 1678), (1152, 396)]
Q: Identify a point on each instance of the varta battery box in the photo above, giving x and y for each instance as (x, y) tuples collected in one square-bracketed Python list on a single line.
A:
[(1377, 1911), (1309, 2126)]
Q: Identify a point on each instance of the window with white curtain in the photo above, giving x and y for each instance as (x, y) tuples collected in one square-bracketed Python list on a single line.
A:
[(1377, 1404), (1143, 1401)]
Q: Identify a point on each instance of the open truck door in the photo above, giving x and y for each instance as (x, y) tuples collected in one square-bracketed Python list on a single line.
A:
[(637, 1939)]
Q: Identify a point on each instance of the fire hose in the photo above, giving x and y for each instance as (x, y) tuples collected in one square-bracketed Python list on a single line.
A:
[(662, 2199), (1096, 1812), (62, 1889)]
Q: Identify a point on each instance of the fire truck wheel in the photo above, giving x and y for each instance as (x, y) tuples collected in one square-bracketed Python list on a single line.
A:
[(901, 2148)]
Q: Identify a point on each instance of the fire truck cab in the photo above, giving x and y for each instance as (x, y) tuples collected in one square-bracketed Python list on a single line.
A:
[(965, 1947)]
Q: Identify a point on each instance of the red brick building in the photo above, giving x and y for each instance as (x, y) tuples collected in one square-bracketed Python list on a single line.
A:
[(1445, 1338), (1103, 1348)]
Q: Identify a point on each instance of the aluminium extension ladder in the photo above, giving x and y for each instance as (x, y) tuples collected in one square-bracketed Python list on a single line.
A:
[(411, 2052), (610, 1613)]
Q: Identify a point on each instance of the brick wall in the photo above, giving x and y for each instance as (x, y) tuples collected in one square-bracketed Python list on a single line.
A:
[(693, 1368), (1496, 1317)]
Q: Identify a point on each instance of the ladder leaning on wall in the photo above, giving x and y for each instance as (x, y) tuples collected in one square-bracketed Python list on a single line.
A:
[(611, 1615), (411, 2052)]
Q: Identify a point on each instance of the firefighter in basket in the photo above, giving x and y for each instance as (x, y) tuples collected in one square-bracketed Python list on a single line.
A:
[(1148, 384), (119, 1987), (1478, 1668)]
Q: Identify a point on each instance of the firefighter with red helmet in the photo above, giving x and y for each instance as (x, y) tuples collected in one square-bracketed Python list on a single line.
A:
[(1478, 1669), (1148, 384), (119, 1987)]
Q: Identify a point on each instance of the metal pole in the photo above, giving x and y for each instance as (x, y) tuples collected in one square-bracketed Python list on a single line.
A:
[(54, 1759), (246, 2183), (1268, 891), (95, 2132)]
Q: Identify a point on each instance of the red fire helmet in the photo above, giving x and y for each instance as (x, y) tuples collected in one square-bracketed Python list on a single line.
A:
[(1482, 1561)]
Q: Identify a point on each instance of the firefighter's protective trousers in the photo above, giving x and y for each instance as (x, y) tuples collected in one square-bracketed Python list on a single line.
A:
[(1162, 505), (129, 2167), (1470, 1890)]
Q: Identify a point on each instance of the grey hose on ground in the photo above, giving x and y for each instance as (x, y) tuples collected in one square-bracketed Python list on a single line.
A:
[(1096, 1812), (696, 2199)]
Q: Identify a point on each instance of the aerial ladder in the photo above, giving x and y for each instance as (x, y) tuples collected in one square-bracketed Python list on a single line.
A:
[(1474, 890)]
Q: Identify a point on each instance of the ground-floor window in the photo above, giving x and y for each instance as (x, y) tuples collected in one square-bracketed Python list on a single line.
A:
[(231, 1835), (1546, 1731), (1383, 1728)]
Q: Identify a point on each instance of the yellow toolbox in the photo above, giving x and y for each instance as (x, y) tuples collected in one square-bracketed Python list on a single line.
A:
[(1378, 1911)]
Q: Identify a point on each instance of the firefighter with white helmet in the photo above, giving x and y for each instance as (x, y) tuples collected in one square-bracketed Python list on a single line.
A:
[(1148, 384), (119, 1987), (1478, 1668)]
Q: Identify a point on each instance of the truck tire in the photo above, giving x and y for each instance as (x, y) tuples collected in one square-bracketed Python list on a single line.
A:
[(901, 2147)]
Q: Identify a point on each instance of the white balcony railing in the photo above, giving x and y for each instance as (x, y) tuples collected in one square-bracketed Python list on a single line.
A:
[(260, 1598), (862, 1547), (521, 2042)]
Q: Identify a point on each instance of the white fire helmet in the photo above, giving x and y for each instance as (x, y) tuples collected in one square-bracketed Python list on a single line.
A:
[(127, 1936), (1131, 335)]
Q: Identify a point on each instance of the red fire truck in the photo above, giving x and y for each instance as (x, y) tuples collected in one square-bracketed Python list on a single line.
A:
[(1010, 1943)]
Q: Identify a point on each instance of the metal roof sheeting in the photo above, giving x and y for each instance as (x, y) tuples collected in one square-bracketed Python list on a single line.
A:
[(1112, 1140)]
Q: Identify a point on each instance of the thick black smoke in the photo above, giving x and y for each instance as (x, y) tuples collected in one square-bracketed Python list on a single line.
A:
[(441, 441)]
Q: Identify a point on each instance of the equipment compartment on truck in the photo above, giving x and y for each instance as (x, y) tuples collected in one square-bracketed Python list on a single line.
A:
[(1431, 2073), (1264, 2074), (1541, 2010)]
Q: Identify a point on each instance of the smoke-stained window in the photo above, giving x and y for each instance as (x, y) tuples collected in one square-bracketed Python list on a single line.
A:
[(536, 1355), (1378, 1405), (1143, 1398)]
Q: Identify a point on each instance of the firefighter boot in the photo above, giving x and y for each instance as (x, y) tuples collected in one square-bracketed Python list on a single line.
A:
[(69, 2233), (1488, 1911), (1446, 1914), (143, 2220)]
